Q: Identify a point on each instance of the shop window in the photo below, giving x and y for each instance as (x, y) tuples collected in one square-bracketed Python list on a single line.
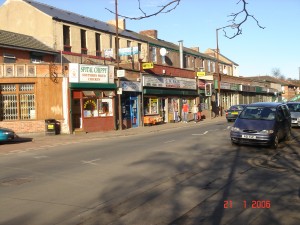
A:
[(151, 106), (17, 102), (93, 107)]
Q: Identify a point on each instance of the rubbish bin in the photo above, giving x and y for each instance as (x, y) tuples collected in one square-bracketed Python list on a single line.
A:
[(52, 127)]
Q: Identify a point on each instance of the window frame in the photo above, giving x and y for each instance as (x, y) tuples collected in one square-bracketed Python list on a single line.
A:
[(29, 107)]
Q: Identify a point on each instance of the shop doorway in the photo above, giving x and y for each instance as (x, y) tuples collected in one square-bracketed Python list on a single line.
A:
[(134, 111), (76, 114), (164, 109)]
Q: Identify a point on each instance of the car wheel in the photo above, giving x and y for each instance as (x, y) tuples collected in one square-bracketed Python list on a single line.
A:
[(288, 136), (275, 142)]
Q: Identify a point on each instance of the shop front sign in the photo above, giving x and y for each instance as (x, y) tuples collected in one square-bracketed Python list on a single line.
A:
[(128, 51), (169, 82), (225, 86), (132, 86), (81, 73), (146, 66)]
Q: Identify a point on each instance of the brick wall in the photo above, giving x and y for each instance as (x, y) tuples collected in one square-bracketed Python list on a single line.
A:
[(20, 127)]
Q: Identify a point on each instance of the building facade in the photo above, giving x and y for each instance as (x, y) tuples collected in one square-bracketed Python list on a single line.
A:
[(104, 83)]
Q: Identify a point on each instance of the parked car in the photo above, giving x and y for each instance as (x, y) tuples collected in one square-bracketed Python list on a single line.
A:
[(233, 112), (262, 123), (294, 108), (7, 134)]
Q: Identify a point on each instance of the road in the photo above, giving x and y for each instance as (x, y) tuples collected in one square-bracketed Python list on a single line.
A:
[(188, 175)]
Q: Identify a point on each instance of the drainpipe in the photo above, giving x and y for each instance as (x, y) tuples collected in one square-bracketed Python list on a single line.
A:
[(181, 53)]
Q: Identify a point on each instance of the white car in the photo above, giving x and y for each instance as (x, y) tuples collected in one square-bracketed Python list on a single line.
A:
[(294, 108)]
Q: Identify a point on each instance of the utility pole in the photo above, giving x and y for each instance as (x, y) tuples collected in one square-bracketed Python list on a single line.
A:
[(218, 68), (118, 66), (218, 74)]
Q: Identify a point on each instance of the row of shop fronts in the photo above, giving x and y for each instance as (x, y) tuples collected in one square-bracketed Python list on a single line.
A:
[(94, 98), (91, 98)]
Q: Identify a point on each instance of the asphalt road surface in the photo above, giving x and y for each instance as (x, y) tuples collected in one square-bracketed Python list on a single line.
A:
[(188, 175)]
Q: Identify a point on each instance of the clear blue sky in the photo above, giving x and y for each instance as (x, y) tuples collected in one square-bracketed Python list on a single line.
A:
[(257, 51)]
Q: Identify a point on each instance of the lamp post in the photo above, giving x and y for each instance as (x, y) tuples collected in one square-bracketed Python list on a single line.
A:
[(118, 67), (218, 68), (218, 72)]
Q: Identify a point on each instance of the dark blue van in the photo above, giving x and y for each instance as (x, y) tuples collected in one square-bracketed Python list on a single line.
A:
[(262, 123)]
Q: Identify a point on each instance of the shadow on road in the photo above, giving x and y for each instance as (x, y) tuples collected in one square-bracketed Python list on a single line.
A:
[(17, 140)]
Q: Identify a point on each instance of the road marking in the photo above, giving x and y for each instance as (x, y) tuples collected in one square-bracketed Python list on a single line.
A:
[(41, 157), (90, 162), (17, 151), (200, 134), (169, 141), (46, 146)]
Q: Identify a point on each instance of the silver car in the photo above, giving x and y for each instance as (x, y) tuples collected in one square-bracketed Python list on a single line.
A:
[(294, 108)]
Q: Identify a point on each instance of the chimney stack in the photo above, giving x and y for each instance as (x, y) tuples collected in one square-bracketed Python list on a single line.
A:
[(181, 53)]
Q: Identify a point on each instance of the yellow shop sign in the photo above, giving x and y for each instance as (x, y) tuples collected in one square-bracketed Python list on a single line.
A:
[(146, 66), (200, 74)]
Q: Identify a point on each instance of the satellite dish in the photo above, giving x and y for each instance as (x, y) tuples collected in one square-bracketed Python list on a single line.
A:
[(163, 52)]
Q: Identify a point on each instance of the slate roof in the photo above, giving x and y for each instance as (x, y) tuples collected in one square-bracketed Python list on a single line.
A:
[(74, 18), (215, 52), (273, 80), (20, 41), (67, 16)]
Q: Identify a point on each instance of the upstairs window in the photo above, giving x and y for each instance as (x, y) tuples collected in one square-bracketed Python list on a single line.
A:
[(208, 66), (153, 54), (98, 44), (66, 38), (9, 58), (129, 46), (83, 42), (139, 50), (117, 44), (36, 57)]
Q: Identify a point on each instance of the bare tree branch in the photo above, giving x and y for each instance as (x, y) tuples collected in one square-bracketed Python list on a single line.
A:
[(170, 6), (237, 21), (238, 25)]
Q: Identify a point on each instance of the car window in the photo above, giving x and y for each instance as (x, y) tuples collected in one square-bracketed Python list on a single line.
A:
[(236, 107), (286, 111), (258, 113), (294, 107), (280, 114)]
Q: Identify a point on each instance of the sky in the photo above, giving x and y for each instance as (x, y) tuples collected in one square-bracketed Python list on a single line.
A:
[(257, 51)]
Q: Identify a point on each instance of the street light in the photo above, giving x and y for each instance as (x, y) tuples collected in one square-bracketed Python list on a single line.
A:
[(218, 68), (218, 72), (118, 66)]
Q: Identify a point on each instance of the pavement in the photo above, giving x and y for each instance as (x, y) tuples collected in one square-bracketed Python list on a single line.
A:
[(31, 142)]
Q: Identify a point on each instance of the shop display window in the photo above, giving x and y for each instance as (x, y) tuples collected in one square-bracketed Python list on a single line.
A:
[(151, 106), (94, 107), (173, 105)]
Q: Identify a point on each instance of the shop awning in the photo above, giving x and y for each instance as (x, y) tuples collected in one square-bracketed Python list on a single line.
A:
[(152, 91), (92, 86)]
